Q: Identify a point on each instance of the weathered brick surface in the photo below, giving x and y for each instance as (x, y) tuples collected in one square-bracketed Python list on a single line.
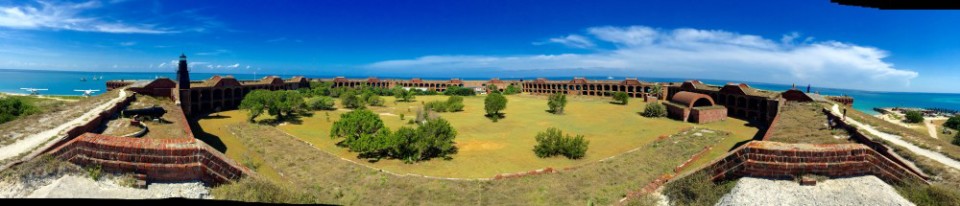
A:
[(164, 160), (782, 160)]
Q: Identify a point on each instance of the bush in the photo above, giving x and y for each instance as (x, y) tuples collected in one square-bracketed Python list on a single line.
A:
[(953, 123), (696, 189), (621, 97), (654, 110), (956, 139), (320, 103), (453, 104), (493, 104), (12, 108), (511, 89), (459, 91), (375, 100), (552, 143), (403, 95), (557, 102), (914, 117), (350, 100), (364, 132)]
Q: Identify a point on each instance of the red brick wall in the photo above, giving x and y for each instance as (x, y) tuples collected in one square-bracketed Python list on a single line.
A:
[(165, 160), (782, 160), (773, 126), (703, 116), (677, 112)]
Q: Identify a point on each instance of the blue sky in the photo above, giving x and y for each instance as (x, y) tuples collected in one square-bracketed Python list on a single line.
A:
[(786, 42)]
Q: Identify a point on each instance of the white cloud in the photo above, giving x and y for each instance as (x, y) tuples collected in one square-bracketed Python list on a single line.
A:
[(234, 66), (129, 43), (694, 53), (572, 40), (67, 16)]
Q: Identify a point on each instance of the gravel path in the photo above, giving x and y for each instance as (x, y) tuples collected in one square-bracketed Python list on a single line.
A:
[(863, 190), (71, 186), (930, 128), (35, 140), (898, 140)]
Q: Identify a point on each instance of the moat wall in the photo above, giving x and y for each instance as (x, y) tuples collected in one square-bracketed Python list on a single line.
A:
[(783, 160), (163, 160)]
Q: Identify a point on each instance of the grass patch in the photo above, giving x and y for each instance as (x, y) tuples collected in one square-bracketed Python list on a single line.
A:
[(932, 194), (487, 148), (921, 139), (696, 189), (806, 123), (252, 189), (333, 180)]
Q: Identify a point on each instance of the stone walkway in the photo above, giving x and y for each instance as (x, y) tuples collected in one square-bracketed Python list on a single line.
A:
[(863, 190)]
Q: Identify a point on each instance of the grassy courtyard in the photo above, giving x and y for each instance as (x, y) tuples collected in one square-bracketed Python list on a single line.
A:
[(489, 148)]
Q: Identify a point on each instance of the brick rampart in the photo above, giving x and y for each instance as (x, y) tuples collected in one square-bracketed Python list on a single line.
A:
[(783, 160), (708, 115), (161, 160), (880, 148)]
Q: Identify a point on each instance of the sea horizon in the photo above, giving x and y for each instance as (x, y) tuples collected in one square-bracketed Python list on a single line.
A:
[(65, 82)]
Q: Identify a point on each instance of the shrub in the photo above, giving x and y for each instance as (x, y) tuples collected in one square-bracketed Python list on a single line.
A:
[(12, 108), (552, 143), (956, 139), (654, 110), (953, 123), (696, 189), (914, 117), (511, 89), (621, 97), (359, 129), (320, 103), (403, 95), (557, 102), (460, 91), (351, 100), (453, 104), (375, 100)]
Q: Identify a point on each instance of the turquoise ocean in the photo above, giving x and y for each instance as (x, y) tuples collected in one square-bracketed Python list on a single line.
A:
[(65, 82)]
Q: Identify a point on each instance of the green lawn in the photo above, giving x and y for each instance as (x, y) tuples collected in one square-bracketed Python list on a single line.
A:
[(487, 148)]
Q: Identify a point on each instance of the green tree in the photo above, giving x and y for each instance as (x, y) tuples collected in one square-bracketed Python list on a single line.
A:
[(493, 104), (493, 88), (552, 142), (454, 104), (621, 97), (557, 102), (13, 107), (654, 110), (320, 103), (457, 90), (436, 139), (361, 130), (655, 90), (403, 95), (914, 117), (255, 103), (371, 98), (953, 123), (285, 103), (350, 100), (512, 89)]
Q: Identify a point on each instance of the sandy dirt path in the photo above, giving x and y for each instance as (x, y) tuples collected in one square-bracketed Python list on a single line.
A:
[(931, 128), (33, 141), (898, 140)]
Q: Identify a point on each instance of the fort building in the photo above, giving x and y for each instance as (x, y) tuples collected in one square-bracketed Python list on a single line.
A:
[(695, 107), (740, 100)]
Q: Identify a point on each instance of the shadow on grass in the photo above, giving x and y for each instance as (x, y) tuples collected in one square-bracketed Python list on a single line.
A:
[(495, 117), (212, 140)]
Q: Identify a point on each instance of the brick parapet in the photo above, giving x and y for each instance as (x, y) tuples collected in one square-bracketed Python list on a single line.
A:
[(162, 160), (782, 160)]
